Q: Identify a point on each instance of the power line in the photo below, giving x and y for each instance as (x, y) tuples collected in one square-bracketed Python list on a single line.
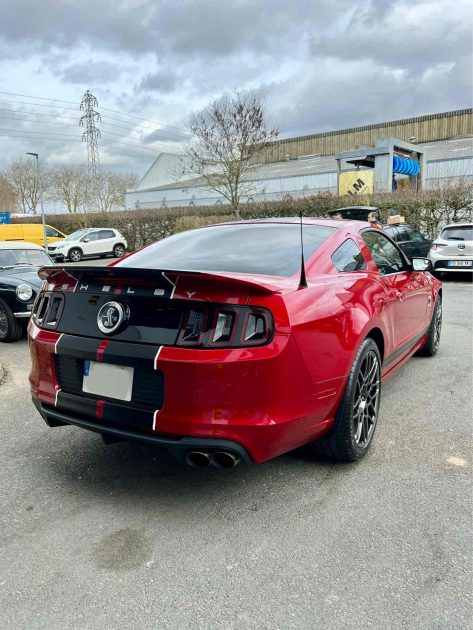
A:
[(104, 122), (60, 136), (42, 98)]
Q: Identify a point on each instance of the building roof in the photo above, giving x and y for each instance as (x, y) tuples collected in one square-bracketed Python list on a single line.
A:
[(456, 148)]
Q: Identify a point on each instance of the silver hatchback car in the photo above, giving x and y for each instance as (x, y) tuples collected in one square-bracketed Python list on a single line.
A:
[(453, 249)]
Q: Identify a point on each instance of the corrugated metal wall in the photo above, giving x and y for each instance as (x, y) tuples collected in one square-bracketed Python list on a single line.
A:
[(427, 128)]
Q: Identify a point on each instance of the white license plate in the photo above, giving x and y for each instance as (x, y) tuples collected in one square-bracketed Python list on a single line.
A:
[(459, 263), (111, 381)]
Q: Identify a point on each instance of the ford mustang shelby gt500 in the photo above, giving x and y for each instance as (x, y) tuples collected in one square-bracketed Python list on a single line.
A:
[(235, 342)]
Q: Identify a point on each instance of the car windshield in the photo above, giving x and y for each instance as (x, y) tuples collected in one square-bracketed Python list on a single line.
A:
[(23, 257), (75, 236), (264, 248), (458, 233)]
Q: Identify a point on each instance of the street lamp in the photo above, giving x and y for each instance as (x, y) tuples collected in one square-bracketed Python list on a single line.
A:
[(40, 192)]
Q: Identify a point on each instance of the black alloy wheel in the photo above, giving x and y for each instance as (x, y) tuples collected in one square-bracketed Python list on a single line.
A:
[(431, 345), (352, 432)]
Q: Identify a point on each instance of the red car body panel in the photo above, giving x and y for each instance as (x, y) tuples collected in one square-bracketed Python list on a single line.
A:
[(271, 398)]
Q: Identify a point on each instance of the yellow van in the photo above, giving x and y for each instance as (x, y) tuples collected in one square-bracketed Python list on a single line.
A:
[(29, 232)]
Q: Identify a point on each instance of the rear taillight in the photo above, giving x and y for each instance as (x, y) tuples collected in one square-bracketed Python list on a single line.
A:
[(47, 310), (232, 327)]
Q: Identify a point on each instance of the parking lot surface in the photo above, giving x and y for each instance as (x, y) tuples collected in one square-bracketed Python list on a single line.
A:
[(97, 536)]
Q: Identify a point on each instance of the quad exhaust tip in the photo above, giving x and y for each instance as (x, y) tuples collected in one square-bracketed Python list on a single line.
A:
[(219, 459)]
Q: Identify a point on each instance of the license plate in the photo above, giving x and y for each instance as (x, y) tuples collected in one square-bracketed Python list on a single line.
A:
[(111, 381), (459, 263)]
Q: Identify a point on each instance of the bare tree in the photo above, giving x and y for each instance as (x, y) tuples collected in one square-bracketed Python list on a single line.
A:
[(107, 191), (23, 178), (226, 136), (69, 185), (8, 198)]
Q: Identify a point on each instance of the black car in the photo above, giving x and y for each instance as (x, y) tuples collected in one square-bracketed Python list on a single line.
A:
[(19, 285), (409, 239)]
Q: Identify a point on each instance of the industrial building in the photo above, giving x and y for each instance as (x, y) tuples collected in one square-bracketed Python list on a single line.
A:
[(308, 165)]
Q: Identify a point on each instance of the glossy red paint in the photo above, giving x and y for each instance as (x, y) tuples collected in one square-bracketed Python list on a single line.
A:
[(276, 397)]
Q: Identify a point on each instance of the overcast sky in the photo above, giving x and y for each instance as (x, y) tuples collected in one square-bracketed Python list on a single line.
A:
[(321, 65)]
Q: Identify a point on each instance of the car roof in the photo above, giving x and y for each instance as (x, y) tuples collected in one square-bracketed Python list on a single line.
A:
[(296, 220), (454, 225), (19, 245)]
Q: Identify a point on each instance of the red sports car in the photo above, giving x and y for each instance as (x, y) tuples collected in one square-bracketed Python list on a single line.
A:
[(235, 342)]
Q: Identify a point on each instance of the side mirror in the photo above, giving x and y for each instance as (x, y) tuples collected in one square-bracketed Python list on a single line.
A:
[(421, 264), (86, 239)]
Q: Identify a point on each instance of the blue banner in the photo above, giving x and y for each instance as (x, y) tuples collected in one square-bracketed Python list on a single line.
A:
[(5, 217)]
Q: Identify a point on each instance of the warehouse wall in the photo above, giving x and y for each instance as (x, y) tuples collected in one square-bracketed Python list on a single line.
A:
[(427, 128), (439, 173)]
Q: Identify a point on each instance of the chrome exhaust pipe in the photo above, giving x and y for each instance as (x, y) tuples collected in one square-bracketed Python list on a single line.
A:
[(197, 459), (223, 459)]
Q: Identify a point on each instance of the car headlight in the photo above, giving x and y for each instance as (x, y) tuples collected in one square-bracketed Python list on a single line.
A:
[(24, 292)]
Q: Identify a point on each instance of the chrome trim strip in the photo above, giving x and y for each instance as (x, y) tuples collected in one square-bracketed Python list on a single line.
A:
[(24, 314)]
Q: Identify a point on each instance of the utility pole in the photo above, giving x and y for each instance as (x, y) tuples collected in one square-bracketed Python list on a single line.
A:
[(40, 193), (88, 120)]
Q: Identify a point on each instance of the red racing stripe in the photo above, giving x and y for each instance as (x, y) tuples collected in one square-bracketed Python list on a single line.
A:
[(101, 349), (99, 409)]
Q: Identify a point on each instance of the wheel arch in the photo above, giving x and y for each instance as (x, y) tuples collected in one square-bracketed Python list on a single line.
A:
[(377, 336)]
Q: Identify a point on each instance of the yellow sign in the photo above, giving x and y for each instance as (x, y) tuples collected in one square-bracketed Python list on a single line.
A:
[(355, 183)]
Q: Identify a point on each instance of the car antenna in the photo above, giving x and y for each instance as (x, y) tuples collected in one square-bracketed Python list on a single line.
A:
[(303, 279)]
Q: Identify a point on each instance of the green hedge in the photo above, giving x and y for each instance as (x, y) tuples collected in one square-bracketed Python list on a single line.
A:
[(425, 210)]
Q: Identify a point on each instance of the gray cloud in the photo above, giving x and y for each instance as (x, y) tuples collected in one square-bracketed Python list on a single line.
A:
[(91, 72), (322, 65), (164, 80)]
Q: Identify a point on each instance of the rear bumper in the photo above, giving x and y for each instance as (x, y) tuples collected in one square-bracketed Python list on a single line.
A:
[(177, 447), (261, 399)]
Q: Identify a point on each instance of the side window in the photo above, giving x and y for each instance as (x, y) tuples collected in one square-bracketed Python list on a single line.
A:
[(415, 235), (404, 234), (91, 236), (348, 257), (392, 232), (106, 234), (52, 232), (385, 255)]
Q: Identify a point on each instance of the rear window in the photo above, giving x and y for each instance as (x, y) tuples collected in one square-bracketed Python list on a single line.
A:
[(35, 257), (265, 248), (460, 233)]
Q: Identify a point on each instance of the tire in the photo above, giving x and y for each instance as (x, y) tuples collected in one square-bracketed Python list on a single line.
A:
[(75, 255), (355, 420), (118, 251), (10, 328), (431, 345)]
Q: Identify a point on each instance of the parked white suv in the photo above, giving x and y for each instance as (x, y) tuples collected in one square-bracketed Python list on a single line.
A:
[(88, 242), (453, 249)]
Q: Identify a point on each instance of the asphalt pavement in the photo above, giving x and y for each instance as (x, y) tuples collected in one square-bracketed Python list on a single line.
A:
[(113, 537)]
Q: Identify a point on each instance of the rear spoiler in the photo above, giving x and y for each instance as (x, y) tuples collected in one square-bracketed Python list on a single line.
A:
[(68, 278)]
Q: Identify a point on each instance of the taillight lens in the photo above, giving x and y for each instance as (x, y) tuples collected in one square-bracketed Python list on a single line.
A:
[(231, 327), (47, 310)]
